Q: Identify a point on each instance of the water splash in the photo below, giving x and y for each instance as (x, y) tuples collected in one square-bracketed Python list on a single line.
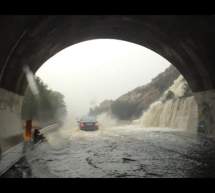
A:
[(106, 120), (34, 89), (31, 80)]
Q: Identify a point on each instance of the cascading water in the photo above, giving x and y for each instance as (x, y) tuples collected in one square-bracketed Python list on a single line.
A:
[(178, 112), (31, 81)]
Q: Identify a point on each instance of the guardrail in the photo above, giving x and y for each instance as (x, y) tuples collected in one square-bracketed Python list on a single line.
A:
[(15, 153), (48, 128)]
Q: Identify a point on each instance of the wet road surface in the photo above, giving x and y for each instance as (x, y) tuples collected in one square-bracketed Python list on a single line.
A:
[(126, 151)]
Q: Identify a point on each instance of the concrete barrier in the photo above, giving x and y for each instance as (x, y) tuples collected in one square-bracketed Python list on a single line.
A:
[(15, 153), (10, 157)]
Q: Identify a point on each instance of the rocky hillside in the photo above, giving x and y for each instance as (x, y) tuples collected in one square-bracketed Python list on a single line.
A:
[(176, 108), (131, 105)]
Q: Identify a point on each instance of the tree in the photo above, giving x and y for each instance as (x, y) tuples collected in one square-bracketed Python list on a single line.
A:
[(123, 110), (48, 105)]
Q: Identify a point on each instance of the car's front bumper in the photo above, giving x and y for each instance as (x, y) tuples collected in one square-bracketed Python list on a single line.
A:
[(89, 128)]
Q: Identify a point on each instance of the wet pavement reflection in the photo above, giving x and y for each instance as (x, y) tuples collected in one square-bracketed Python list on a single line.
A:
[(126, 151)]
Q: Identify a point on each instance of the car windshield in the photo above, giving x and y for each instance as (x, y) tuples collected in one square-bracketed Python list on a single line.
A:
[(88, 119)]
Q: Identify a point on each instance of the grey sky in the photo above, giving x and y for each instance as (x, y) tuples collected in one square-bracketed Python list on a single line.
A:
[(91, 71)]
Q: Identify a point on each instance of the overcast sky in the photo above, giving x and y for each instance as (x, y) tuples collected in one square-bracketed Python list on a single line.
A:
[(92, 71)]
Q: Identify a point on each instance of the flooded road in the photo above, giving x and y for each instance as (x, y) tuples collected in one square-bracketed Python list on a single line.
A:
[(126, 151)]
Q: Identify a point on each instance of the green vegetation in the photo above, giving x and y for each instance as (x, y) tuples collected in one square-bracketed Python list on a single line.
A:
[(46, 107), (123, 110), (103, 107)]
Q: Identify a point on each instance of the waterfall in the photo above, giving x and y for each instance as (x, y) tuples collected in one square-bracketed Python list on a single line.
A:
[(174, 113), (178, 112)]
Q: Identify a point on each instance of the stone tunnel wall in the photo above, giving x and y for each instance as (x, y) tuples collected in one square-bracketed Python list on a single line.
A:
[(206, 110), (10, 121)]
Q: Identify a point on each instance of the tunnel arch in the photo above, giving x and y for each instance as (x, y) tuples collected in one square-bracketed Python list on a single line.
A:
[(186, 41), (33, 39)]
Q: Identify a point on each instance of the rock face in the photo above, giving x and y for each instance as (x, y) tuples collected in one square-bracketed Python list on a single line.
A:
[(131, 105), (176, 108), (206, 112)]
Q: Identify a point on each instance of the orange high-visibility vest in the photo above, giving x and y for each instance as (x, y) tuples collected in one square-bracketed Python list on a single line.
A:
[(27, 133)]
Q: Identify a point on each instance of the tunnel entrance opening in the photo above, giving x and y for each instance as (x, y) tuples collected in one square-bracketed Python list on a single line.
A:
[(94, 75)]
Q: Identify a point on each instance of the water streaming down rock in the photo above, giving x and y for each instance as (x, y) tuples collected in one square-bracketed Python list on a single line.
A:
[(179, 111)]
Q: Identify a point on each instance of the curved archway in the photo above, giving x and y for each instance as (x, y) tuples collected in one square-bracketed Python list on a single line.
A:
[(176, 38)]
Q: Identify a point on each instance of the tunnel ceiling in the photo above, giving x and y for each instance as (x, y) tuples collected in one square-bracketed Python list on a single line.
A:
[(188, 42)]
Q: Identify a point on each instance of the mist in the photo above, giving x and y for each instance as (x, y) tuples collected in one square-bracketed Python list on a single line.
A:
[(92, 71)]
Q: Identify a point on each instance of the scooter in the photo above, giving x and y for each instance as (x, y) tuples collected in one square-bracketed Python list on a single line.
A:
[(38, 137)]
